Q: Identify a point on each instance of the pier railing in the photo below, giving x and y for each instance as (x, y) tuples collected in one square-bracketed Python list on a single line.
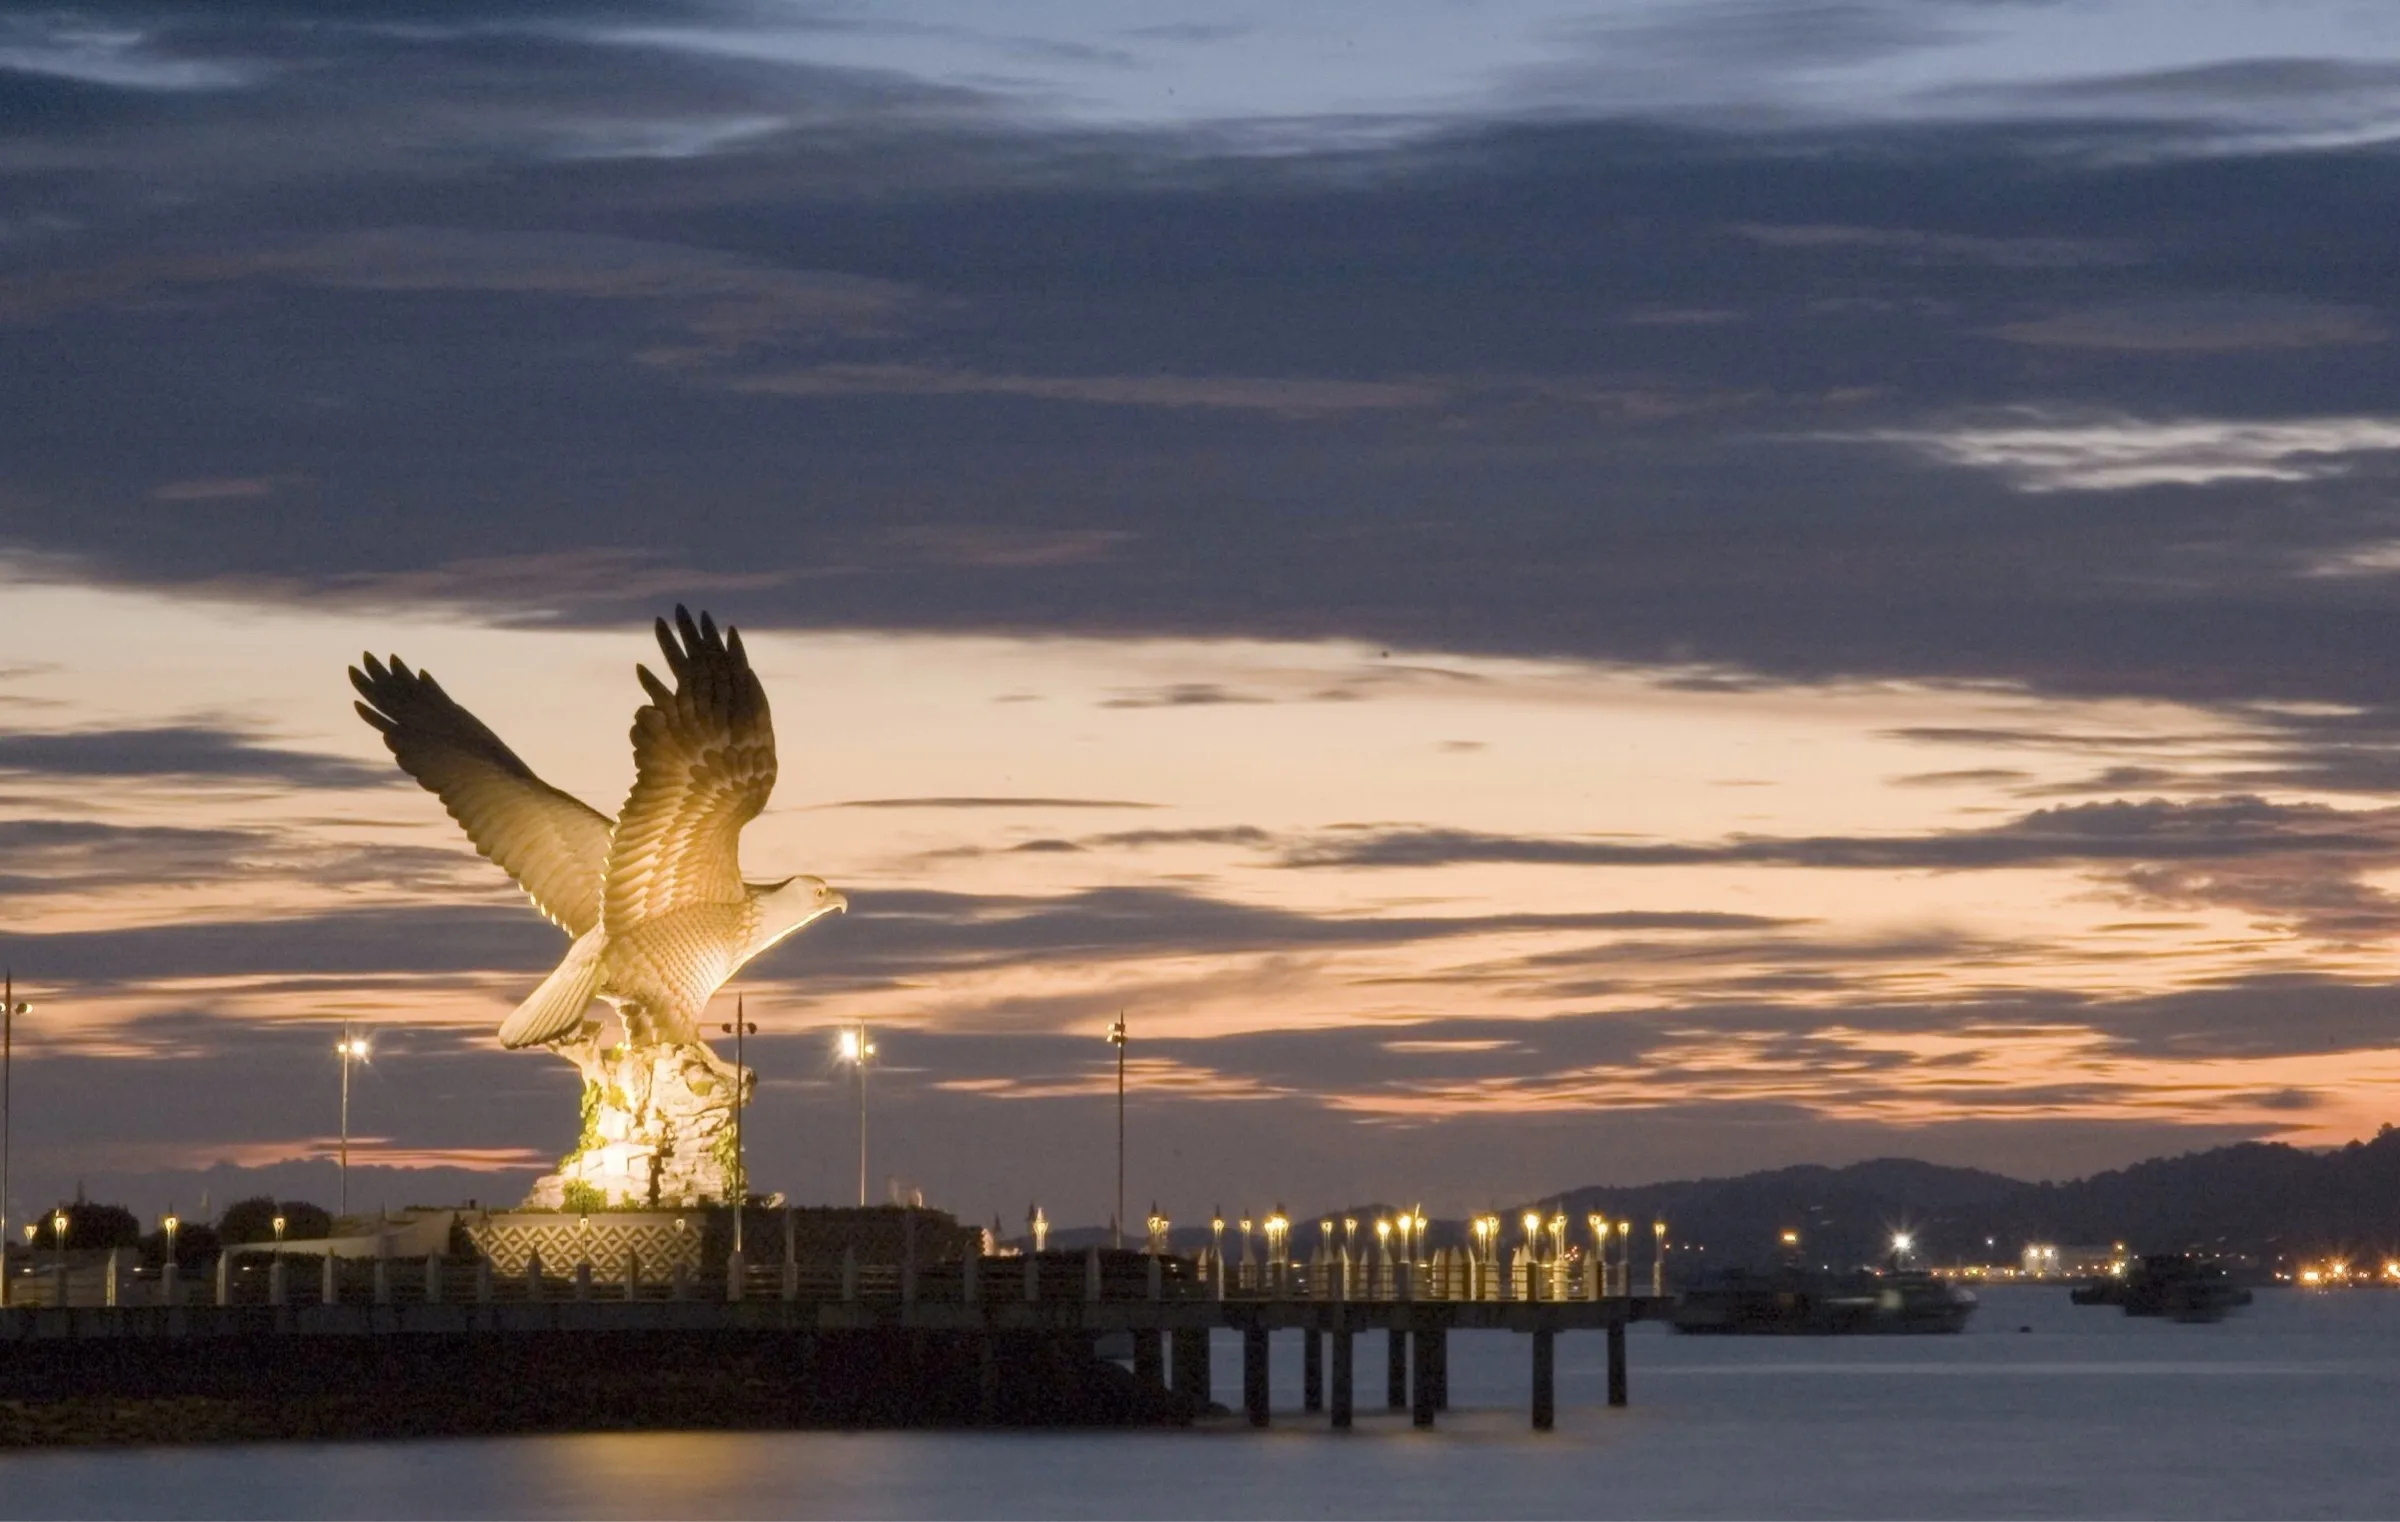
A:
[(267, 1277)]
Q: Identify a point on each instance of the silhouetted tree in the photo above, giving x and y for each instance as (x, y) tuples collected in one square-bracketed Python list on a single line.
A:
[(253, 1220), (195, 1245), (89, 1225)]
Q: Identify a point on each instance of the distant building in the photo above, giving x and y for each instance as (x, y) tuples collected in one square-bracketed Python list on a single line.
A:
[(2048, 1260)]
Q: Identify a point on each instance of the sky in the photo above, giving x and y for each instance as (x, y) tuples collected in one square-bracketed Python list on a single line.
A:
[(1539, 594)]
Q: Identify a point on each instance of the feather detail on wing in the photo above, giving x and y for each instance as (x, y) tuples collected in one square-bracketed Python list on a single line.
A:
[(704, 762), (555, 847)]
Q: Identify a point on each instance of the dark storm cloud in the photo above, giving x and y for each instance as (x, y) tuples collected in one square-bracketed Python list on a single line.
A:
[(181, 751), (1046, 383)]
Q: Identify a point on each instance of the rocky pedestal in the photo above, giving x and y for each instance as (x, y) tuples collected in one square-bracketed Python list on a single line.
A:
[(657, 1128)]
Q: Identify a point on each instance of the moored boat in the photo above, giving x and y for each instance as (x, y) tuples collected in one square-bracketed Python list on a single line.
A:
[(1794, 1302)]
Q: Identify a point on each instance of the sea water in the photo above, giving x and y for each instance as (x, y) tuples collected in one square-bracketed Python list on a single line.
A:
[(2290, 1408)]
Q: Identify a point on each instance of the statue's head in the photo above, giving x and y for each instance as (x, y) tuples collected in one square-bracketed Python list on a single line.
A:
[(796, 901)]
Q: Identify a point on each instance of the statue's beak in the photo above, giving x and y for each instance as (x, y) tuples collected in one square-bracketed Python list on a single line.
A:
[(840, 903)]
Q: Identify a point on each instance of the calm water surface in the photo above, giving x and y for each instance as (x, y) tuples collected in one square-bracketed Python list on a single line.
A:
[(2290, 1409)]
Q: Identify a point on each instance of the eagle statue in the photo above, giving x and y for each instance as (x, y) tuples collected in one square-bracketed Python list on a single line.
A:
[(656, 903)]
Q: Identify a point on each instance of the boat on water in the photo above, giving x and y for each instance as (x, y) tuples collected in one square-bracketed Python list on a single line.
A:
[(1797, 1302), (2176, 1285)]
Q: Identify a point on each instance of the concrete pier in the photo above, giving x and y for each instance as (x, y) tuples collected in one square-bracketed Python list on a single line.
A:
[(1312, 1370), (1254, 1374), (1191, 1371), (1342, 1384), (1616, 1365), (1545, 1379)]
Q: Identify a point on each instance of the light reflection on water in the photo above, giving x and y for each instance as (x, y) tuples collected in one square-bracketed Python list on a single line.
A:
[(2282, 1411)]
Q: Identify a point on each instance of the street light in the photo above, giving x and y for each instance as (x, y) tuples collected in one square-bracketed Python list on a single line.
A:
[(741, 1027), (854, 1048), (352, 1049), (10, 1007), (58, 1238), (1116, 1038)]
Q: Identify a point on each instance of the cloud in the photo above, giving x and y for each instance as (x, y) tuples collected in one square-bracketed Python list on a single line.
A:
[(1182, 695), (122, 60), (1279, 396), (1914, 244), (2044, 455), (189, 752), (2221, 325), (2158, 829), (986, 803), (347, 942)]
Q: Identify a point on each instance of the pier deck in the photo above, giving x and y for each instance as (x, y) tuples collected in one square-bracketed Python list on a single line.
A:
[(1161, 1304)]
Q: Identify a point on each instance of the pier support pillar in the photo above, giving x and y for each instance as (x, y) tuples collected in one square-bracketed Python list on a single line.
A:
[(1254, 1374), (987, 1378), (1616, 1363), (1190, 1372), (275, 1277), (1342, 1340), (433, 1278), (224, 1278), (1395, 1369), (1433, 1353), (329, 1286), (1149, 1359), (1545, 1379), (1421, 1393), (170, 1288), (1312, 1370)]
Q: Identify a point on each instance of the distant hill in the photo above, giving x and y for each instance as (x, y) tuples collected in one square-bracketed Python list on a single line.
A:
[(2261, 1199)]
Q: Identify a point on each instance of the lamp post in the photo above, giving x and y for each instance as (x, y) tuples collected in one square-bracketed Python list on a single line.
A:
[(352, 1049), (741, 1027), (10, 1008), (1116, 1038), (854, 1048), (1658, 1263), (58, 1237), (1599, 1226)]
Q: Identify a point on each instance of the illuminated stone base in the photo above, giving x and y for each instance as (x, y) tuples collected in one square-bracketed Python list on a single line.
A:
[(657, 1128)]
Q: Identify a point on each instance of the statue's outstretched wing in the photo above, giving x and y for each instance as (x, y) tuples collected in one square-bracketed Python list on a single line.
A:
[(555, 847), (704, 762)]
